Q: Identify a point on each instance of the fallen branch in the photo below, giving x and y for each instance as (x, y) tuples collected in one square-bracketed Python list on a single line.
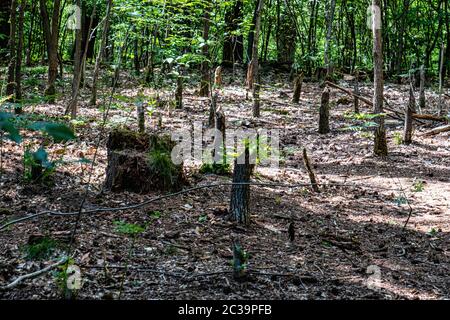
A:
[(145, 203), (397, 114), (33, 274), (437, 130), (429, 117)]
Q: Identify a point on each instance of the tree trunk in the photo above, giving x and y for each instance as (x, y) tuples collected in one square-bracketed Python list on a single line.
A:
[(204, 84), (312, 176), (255, 62), (79, 62), (5, 12), (18, 75), (100, 54), (356, 91), (240, 193), (179, 92), (30, 36), (51, 34), (422, 100), (219, 139), (441, 81), (233, 47), (380, 148), (298, 83), (330, 18), (324, 118), (409, 111), (212, 110), (10, 87)]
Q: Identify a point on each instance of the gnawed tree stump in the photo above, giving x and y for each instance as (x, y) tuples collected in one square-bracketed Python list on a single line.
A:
[(324, 114), (298, 83), (140, 163), (240, 193)]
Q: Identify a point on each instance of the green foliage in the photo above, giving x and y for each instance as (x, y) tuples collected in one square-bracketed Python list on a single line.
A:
[(400, 200), (221, 169), (38, 161), (8, 127), (41, 249), (155, 214), (418, 186), (398, 138), (128, 229), (363, 121), (240, 260)]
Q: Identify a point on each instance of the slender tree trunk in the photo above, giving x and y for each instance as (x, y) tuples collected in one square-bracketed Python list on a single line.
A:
[(233, 47), (355, 99), (253, 74), (422, 99), (79, 62), (380, 148), (330, 18), (18, 76), (100, 54), (10, 87), (409, 111), (51, 34), (204, 84), (5, 13), (441, 81), (30, 35)]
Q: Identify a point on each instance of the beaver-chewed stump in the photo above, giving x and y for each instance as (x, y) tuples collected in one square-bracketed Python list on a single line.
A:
[(141, 162)]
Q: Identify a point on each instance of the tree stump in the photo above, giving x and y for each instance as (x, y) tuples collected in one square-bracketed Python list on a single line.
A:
[(240, 193), (422, 100), (179, 93), (298, 83), (212, 109), (140, 163), (324, 119), (409, 111)]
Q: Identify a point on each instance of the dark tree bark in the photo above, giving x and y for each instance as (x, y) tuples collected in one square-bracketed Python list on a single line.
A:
[(380, 148), (253, 71), (212, 109), (51, 34), (324, 118), (286, 39), (11, 85), (29, 50), (179, 92), (18, 76), (409, 111), (422, 100), (298, 83), (356, 91), (5, 12), (219, 139), (205, 81), (101, 52), (233, 47), (329, 18), (240, 194)]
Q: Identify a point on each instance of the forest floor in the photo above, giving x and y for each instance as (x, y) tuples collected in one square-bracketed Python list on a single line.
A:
[(354, 225)]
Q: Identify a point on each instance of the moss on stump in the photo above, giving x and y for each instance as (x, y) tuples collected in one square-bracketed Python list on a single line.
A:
[(141, 163)]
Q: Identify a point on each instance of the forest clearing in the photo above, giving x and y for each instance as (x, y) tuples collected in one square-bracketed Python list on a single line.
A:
[(354, 205)]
